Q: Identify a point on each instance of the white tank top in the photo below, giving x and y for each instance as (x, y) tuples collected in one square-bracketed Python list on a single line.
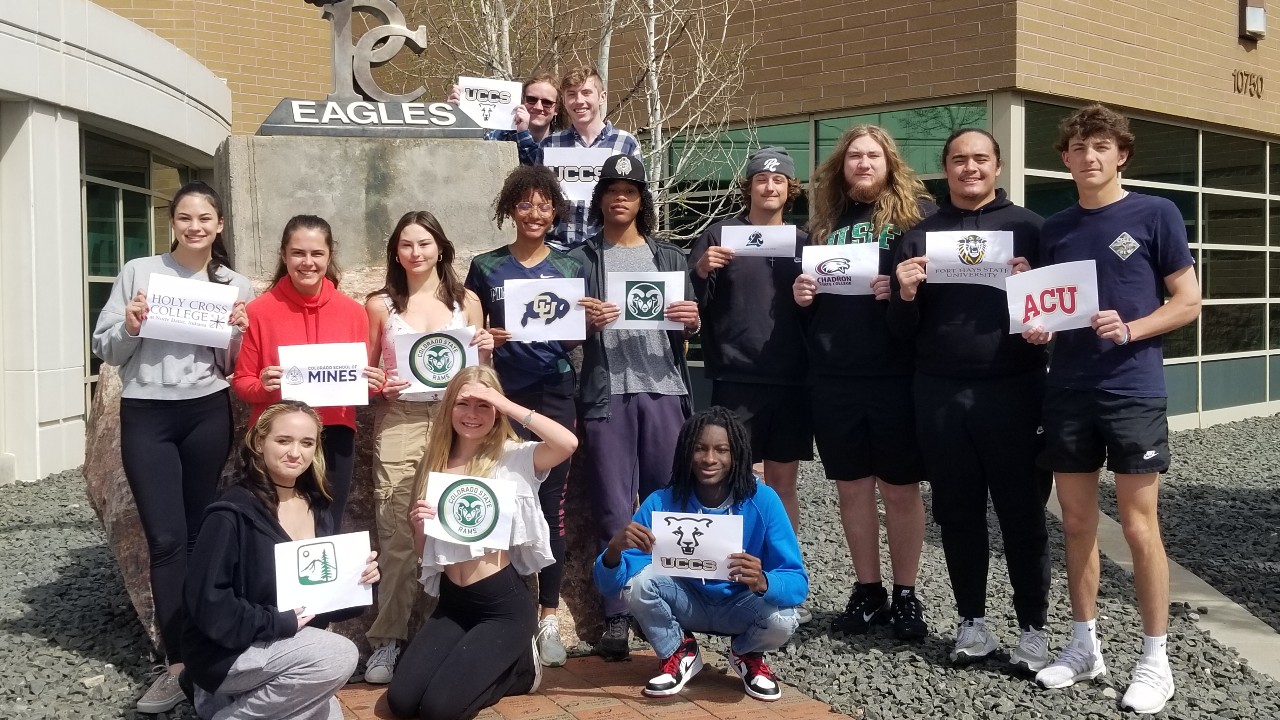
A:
[(396, 325)]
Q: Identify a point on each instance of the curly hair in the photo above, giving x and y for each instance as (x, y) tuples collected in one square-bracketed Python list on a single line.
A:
[(741, 478), (219, 257), (898, 204), (308, 222), (794, 190), (522, 183), (1094, 121), (311, 484), (646, 219)]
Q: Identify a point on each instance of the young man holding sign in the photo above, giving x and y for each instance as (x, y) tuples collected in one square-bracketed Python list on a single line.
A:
[(533, 119), (633, 393), (1106, 397), (978, 393), (749, 594), (861, 375)]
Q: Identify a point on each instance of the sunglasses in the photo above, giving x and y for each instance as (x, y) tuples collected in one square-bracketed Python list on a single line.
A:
[(531, 100)]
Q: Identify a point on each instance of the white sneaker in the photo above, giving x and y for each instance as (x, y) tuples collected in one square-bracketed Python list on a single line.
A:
[(1151, 686), (1077, 661), (550, 647), (1032, 653), (974, 641), (382, 663)]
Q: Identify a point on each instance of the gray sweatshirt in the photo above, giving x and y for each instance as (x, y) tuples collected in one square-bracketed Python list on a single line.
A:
[(160, 369)]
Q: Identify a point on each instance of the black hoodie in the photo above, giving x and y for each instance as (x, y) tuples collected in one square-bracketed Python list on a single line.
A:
[(230, 592), (962, 330)]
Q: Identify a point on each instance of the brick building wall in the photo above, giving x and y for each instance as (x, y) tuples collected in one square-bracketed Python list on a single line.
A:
[(264, 49)]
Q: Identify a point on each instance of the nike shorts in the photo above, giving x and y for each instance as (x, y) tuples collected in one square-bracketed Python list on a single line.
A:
[(1084, 428), (777, 416), (866, 426)]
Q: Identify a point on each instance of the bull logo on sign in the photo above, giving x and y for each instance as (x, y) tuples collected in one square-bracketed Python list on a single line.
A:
[(687, 532), (547, 307)]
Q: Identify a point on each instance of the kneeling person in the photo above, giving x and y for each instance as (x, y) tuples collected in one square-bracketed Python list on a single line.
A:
[(756, 608)]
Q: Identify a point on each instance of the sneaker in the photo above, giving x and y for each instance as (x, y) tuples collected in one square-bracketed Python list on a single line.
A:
[(1077, 661), (164, 694), (676, 670), (1032, 653), (866, 607), (550, 647), (803, 615), (1151, 686), (757, 679), (537, 669), (615, 642), (382, 663), (908, 617), (974, 642)]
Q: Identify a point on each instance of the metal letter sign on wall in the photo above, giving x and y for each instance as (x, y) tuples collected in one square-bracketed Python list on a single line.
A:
[(357, 106)]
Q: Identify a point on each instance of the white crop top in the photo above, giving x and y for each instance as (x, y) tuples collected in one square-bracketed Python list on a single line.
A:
[(396, 325)]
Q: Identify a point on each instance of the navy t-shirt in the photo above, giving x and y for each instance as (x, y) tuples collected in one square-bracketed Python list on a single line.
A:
[(519, 364), (1137, 242)]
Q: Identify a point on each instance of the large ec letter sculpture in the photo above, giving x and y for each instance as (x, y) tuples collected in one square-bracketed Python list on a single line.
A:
[(353, 65)]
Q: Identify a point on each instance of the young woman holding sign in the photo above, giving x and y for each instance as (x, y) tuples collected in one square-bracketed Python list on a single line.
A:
[(422, 294), (711, 475), (175, 411), (476, 649), (304, 307), (537, 375), (248, 658)]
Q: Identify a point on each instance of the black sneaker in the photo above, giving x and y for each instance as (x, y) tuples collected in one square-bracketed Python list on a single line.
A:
[(867, 606), (676, 670), (908, 617), (615, 642)]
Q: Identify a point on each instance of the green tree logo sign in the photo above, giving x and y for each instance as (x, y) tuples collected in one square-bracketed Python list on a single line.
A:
[(317, 564)]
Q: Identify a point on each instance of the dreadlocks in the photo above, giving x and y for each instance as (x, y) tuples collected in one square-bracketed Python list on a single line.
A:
[(741, 479)]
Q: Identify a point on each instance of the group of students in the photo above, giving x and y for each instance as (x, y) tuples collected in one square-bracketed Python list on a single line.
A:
[(913, 382)]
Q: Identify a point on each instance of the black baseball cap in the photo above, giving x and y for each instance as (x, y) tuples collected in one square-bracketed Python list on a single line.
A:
[(624, 167)]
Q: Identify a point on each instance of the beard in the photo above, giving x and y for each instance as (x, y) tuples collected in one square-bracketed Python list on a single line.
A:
[(868, 192)]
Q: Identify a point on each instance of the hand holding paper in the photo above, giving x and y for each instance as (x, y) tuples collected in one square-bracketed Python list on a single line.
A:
[(324, 574), (1056, 297)]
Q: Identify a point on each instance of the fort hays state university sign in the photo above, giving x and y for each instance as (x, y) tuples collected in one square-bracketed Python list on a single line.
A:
[(357, 106)]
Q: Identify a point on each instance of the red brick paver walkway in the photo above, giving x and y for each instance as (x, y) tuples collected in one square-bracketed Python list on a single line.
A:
[(591, 689)]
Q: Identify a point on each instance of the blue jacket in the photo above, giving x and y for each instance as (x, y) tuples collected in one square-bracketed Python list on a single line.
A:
[(766, 534)]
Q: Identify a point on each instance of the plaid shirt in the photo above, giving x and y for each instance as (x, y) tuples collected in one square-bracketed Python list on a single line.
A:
[(567, 235), (527, 148)]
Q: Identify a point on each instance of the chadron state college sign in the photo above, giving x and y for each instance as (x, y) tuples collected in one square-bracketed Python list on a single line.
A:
[(358, 106)]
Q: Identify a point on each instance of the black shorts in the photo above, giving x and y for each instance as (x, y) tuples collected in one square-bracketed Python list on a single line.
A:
[(1085, 427), (866, 426), (777, 416)]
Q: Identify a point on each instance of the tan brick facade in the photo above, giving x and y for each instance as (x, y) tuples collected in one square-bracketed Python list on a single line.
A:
[(264, 49)]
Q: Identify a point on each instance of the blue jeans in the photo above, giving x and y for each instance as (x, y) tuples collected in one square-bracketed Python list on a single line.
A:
[(665, 607)]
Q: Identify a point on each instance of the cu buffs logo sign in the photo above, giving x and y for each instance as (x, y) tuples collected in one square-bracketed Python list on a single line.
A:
[(644, 300), (547, 307), (471, 510), (435, 359), (970, 249)]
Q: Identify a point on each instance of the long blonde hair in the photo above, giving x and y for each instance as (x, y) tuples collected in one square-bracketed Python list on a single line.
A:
[(898, 204), (441, 436), (312, 483)]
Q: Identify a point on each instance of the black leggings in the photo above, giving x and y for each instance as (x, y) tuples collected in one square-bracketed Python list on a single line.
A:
[(474, 650), (173, 452), (554, 400), (339, 462)]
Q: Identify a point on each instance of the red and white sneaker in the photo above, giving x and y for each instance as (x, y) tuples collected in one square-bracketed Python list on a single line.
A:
[(757, 679), (676, 670)]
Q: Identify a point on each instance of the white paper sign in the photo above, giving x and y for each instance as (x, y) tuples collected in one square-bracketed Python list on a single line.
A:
[(1057, 297), (974, 257), (471, 511), (189, 311), (490, 102), (842, 269), (760, 240), (542, 310), (325, 375), (430, 360), (578, 169), (693, 545), (323, 574), (643, 297)]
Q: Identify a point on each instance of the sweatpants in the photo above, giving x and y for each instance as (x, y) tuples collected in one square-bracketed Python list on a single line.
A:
[(628, 456), (173, 452), (981, 436), (400, 428), (290, 679), (554, 400), (474, 650), (339, 463)]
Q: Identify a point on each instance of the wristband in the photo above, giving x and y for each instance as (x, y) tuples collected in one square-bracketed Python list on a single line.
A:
[(527, 419), (697, 328), (1127, 335)]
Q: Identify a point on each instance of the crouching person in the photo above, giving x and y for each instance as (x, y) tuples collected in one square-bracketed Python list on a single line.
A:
[(711, 475)]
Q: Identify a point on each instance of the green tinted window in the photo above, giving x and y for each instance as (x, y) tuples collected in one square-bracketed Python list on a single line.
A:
[(714, 163), (920, 132)]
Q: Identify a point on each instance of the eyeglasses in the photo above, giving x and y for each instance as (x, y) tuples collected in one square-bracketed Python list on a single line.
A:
[(532, 100), (527, 206)]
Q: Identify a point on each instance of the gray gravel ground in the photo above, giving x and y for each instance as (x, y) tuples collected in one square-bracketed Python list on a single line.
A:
[(71, 647)]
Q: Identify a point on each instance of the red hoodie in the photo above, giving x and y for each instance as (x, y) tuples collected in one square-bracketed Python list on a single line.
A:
[(283, 316)]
